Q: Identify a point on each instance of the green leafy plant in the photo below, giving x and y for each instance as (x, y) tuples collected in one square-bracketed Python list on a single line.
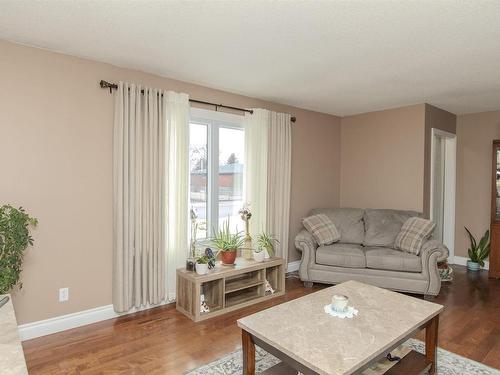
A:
[(224, 240), (267, 241), (478, 252), (203, 259), (14, 239)]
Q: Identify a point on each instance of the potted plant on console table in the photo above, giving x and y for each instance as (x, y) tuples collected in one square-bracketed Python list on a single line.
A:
[(259, 255), (267, 242), (478, 252), (202, 265), (228, 243)]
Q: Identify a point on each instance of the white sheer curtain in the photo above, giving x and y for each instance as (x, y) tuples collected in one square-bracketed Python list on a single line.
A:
[(147, 130), (256, 148), (268, 149), (177, 185)]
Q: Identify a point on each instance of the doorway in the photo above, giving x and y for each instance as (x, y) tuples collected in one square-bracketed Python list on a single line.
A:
[(443, 186)]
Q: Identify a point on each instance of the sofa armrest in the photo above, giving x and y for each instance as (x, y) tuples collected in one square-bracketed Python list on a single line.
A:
[(305, 242), (433, 252), (434, 246)]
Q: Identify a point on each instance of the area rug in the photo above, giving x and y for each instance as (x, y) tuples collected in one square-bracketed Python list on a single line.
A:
[(448, 363)]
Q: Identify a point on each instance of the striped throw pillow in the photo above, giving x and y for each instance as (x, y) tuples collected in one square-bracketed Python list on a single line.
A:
[(413, 233), (322, 229)]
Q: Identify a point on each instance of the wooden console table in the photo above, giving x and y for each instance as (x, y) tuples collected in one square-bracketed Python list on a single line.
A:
[(228, 288)]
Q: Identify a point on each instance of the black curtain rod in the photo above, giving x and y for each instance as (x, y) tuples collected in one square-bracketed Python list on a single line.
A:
[(111, 86)]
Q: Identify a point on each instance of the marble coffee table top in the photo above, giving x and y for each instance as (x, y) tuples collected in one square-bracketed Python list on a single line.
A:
[(330, 345), (11, 352)]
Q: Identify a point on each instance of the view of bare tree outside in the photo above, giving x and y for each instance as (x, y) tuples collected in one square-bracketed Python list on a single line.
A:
[(231, 154), (228, 179), (198, 159)]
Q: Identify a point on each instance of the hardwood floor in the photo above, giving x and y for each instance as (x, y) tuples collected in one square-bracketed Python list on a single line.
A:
[(163, 341)]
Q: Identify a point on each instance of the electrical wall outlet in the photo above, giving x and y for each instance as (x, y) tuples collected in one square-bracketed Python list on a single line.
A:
[(63, 294)]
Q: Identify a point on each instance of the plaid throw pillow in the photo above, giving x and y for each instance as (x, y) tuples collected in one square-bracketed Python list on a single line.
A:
[(413, 234), (322, 229)]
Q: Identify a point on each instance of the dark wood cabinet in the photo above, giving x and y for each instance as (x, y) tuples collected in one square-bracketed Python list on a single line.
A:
[(495, 212)]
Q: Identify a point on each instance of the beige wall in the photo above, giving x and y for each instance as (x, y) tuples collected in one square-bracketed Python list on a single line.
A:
[(439, 119), (475, 134), (56, 152), (382, 159)]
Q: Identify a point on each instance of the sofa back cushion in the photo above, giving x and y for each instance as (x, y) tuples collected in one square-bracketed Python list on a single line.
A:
[(382, 226), (348, 221)]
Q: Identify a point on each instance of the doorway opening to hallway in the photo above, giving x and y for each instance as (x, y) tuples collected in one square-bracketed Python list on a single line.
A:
[(443, 186)]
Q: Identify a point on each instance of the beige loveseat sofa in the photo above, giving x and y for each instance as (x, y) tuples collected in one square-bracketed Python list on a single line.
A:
[(365, 253)]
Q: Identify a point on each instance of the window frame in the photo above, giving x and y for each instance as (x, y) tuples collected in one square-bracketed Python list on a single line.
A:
[(214, 120)]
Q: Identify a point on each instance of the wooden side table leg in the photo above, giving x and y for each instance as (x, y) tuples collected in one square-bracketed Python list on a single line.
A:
[(431, 341), (248, 353)]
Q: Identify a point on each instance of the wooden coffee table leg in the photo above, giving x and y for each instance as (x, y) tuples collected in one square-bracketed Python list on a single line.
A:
[(431, 341), (248, 353)]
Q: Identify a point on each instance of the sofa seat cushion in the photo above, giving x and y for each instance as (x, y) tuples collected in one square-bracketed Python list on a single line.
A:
[(382, 226), (341, 255), (383, 258), (348, 221)]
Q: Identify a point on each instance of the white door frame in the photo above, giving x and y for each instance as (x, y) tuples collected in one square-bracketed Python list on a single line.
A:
[(449, 188)]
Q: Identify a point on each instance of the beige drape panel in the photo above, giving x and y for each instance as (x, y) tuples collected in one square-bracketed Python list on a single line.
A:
[(142, 130), (279, 180)]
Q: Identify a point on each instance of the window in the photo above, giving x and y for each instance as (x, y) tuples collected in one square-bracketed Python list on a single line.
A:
[(216, 152)]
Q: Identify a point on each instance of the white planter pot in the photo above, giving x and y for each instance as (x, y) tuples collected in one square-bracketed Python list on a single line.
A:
[(266, 254), (201, 269), (260, 256)]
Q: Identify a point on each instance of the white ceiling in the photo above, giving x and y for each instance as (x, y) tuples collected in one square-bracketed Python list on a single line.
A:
[(339, 57)]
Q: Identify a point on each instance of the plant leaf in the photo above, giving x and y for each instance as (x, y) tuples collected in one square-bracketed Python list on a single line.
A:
[(472, 239), (484, 240)]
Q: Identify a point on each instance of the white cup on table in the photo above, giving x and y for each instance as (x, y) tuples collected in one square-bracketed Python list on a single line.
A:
[(339, 303)]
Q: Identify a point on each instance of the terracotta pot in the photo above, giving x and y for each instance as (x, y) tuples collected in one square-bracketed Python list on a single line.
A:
[(228, 257)]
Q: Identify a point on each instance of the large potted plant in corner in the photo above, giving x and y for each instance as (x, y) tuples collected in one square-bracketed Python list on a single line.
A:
[(15, 237), (227, 243), (478, 252)]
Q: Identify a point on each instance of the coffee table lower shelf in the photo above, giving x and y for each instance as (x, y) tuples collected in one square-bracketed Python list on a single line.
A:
[(414, 363)]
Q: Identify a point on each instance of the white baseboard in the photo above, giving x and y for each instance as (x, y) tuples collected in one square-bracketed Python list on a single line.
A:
[(81, 318), (293, 266), (64, 322), (462, 261)]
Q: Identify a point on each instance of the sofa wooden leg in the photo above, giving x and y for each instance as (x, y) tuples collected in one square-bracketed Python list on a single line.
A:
[(308, 284)]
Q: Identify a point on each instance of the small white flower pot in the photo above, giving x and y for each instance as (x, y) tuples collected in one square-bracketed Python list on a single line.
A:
[(201, 269), (260, 256)]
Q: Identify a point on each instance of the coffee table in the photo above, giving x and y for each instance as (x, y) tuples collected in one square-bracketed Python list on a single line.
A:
[(308, 340)]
